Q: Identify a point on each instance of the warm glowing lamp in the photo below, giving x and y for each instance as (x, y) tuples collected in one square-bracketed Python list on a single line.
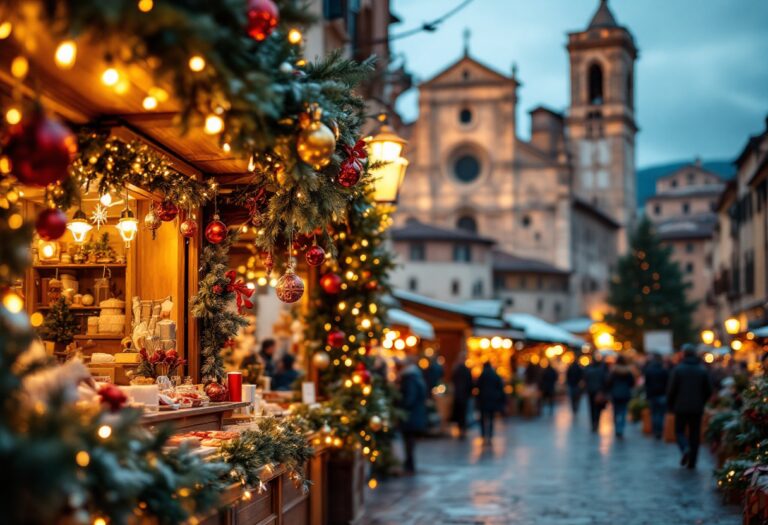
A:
[(707, 337), (604, 340), (128, 225), (732, 325), (386, 147), (736, 345), (79, 226)]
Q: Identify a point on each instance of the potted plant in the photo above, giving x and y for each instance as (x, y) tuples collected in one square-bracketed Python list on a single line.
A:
[(59, 327)]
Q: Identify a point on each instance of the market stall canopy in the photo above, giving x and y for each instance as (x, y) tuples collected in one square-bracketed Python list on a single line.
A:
[(417, 325), (537, 329), (761, 332), (577, 325)]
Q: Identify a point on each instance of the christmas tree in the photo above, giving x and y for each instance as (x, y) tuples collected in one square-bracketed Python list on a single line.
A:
[(60, 325), (648, 292)]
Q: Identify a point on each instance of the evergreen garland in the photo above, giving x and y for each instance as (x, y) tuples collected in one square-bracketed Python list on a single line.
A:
[(214, 306), (648, 292), (60, 326)]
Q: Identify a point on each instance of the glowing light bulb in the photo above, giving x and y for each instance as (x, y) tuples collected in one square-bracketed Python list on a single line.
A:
[(149, 103), (19, 67), (13, 302), (145, 6), (295, 36), (104, 431), (106, 199), (110, 77), (196, 63), (5, 30), (66, 54), (13, 116), (213, 124)]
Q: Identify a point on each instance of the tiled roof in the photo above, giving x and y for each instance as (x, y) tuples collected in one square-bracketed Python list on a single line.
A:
[(418, 231), (507, 262), (699, 227)]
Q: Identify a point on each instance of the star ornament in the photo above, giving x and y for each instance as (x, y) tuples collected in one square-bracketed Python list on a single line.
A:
[(99, 216)]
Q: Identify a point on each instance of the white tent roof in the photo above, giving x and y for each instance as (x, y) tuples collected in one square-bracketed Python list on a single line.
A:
[(538, 329), (577, 325), (417, 325), (761, 332)]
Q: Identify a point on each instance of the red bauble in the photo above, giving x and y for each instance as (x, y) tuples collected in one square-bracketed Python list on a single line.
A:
[(188, 228), (51, 224), (337, 338), (371, 285), (167, 211), (315, 255), (263, 16), (350, 171), (330, 283), (40, 150), (216, 231), (216, 392), (112, 396), (363, 373), (290, 287)]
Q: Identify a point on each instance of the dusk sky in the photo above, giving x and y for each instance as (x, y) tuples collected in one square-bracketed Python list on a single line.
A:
[(702, 74)]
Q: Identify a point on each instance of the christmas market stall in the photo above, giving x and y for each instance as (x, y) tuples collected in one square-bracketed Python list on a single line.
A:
[(176, 178)]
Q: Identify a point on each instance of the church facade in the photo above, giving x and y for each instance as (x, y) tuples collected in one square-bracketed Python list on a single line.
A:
[(562, 200)]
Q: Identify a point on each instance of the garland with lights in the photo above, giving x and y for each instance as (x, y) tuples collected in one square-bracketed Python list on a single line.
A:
[(344, 321)]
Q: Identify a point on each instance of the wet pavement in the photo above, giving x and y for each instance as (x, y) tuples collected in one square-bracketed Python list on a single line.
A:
[(551, 471)]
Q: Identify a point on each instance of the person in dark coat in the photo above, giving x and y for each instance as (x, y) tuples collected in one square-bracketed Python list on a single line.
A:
[(286, 375), (413, 401), (595, 379), (462, 394), (268, 347), (490, 399), (547, 384), (574, 378), (656, 379), (689, 389), (621, 381)]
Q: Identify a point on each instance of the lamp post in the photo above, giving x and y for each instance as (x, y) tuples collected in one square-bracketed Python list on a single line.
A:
[(386, 148)]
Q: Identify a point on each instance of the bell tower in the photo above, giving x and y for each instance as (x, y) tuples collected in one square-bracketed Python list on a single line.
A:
[(601, 117)]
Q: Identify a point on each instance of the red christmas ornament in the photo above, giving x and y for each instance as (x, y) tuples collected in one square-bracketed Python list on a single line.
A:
[(216, 231), (167, 211), (217, 289), (263, 16), (331, 283), (269, 263), (371, 285), (337, 338), (112, 396), (315, 255), (362, 373), (40, 150), (216, 392), (188, 228), (290, 287), (51, 224), (352, 166)]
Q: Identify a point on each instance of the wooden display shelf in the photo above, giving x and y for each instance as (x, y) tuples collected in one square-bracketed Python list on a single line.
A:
[(48, 307), (80, 337), (73, 266), (210, 417)]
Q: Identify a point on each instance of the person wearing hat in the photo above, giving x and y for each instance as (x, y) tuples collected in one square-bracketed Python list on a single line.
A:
[(689, 389)]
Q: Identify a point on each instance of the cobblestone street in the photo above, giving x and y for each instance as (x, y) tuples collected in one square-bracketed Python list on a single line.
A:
[(552, 471)]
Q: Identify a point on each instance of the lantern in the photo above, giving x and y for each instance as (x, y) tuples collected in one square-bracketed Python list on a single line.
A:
[(707, 337), (732, 326), (79, 226), (386, 147), (128, 225)]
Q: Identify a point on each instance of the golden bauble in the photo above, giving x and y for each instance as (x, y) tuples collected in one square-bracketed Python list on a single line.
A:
[(316, 144), (321, 359), (376, 423)]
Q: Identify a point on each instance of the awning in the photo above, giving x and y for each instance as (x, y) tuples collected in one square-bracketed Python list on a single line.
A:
[(416, 325), (761, 332), (578, 325), (537, 329)]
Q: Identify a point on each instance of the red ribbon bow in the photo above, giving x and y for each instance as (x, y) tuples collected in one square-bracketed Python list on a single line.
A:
[(357, 153), (242, 292)]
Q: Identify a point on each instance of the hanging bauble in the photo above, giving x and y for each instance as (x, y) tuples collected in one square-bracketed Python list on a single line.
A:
[(321, 360), (290, 287), (286, 68), (269, 263), (350, 172), (216, 231), (40, 150), (375, 423), (316, 142), (168, 211), (362, 373), (371, 285), (263, 16), (326, 429), (152, 221), (336, 339), (188, 228), (331, 283), (51, 224), (315, 255), (216, 392)]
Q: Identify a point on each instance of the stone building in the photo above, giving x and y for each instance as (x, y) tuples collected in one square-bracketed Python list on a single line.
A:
[(741, 240), (683, 210), (563, 199)]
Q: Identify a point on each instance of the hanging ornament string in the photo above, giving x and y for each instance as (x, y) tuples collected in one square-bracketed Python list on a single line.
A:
[(241, 291)]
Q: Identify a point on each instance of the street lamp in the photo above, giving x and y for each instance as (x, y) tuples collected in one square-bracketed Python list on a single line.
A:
[(707, 337), (386, 148), (79, 226), (732, 326)]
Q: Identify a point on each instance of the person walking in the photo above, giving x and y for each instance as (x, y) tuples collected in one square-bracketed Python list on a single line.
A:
[(595, 378), (461, 378), (656, 381), (286, 375), (689, 389), (547, 385), (490, 399), (621, 381), (413, 401), (574, 378)]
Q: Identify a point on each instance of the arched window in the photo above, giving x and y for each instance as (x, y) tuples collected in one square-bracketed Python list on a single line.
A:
[(467, 223), (595, 84)]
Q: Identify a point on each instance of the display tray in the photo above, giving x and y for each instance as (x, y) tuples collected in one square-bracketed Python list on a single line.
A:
[(209, 417)]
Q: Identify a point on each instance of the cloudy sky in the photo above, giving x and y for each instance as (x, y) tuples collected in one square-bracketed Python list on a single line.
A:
[(702, 76)]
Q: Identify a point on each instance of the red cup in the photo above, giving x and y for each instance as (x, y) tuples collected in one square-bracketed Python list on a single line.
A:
[(235, 385)]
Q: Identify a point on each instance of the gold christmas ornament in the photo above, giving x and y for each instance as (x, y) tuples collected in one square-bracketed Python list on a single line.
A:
[(316, 142), (376, 423), (321, 360)]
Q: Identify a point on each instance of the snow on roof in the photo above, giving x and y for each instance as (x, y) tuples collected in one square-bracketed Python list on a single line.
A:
[(537, 329), (417, 325)]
